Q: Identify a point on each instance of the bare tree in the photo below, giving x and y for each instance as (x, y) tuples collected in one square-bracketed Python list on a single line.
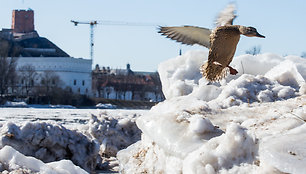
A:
[(8, 62), (50, 83), (27, 75), (254, 50)]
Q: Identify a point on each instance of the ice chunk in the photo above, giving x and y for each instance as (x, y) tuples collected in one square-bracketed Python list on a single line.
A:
[(206, 92), (200, 125), (302, 89), (13, 160), (178, 134), (212, 155), (113, 132), (50, 142), (286, 152), (231, 148)]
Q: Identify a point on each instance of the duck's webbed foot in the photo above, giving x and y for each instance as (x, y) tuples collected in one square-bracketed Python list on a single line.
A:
[(232, 70)]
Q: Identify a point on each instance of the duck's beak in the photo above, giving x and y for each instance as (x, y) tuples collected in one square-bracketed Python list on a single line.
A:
[(259, 35)]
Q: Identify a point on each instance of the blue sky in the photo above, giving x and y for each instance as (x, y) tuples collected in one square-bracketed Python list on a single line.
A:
[(282, 22)]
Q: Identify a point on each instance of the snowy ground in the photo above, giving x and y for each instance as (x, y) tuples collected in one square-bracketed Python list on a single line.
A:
[(253, 122)]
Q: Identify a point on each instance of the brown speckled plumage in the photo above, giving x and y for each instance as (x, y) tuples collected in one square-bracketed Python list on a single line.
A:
[(223, 42)]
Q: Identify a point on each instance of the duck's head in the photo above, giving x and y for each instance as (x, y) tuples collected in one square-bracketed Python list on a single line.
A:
[(250, 32)]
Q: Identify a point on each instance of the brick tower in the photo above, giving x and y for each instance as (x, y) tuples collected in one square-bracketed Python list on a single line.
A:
[(23, 21)]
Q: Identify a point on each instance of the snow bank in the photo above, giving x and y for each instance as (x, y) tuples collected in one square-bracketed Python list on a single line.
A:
[(222, 127), (248, 89), (181, 75), (50, 142), (260, 64), (261, 78), (15, 162)]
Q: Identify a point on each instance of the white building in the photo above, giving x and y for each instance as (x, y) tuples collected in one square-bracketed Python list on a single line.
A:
[(73, 72), (44, 55)]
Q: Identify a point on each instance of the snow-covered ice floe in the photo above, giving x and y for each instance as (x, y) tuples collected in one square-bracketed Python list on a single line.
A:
[(49, 143), (253, 122), (12, 161)]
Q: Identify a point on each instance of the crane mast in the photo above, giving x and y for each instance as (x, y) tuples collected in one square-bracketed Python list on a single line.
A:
[(91, 24)]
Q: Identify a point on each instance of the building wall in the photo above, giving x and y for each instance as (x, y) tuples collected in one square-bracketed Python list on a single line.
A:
[(74, 73), (23, 21), (111, 93)]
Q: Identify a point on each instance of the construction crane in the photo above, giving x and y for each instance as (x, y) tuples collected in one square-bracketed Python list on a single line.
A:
[(92, 24)]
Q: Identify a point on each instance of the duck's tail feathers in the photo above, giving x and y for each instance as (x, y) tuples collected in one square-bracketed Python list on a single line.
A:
[(213, 72)]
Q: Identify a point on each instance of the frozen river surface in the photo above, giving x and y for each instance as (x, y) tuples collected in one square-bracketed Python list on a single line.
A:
[(70, 118), (67, 117)]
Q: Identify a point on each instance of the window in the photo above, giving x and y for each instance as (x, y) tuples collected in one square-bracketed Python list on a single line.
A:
[(83, 82), (74, 82)]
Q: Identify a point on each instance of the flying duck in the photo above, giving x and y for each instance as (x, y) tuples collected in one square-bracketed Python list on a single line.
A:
[(221, 42)]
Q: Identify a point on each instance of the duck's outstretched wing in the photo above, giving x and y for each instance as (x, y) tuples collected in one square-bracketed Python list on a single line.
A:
[(226, 16), (188, 35)]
